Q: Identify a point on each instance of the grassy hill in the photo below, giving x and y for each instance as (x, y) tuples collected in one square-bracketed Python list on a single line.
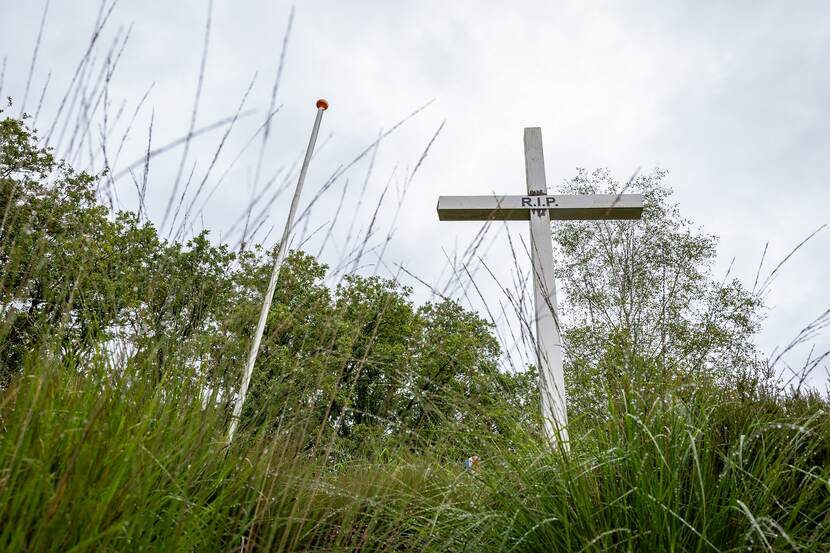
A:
[(121, 352)]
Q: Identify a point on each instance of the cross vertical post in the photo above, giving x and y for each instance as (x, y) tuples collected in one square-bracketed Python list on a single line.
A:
[(548, 336), (540, 209)]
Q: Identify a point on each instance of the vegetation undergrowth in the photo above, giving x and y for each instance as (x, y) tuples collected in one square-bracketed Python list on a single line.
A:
[(97, 461), (121, 353)]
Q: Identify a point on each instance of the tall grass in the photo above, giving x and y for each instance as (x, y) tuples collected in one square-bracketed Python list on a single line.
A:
[(107, 455), (107, 460), (93, 462), (675, 475)]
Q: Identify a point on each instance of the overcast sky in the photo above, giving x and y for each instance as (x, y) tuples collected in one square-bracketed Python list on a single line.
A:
[(733, 99)]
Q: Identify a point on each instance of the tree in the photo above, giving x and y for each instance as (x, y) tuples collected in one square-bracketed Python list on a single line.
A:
[(642, 306), (74, 279), (362, 366), (350, 367), (53, 239)]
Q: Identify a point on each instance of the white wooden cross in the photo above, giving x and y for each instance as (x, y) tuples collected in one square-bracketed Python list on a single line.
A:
[(539, 208)]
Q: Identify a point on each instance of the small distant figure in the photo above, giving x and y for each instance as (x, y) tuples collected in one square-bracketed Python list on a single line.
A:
[(471, 463)]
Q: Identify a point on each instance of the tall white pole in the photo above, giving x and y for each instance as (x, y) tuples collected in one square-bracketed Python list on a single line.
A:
[(548, 338), (322, 106)]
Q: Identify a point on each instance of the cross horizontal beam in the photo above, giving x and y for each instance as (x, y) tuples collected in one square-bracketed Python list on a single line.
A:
[(560, 207)]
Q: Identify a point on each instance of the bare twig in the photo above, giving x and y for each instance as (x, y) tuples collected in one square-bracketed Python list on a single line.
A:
[(771, 276), (271, 109), (34, 58), (193, 115), (99, 26), (212, 163)]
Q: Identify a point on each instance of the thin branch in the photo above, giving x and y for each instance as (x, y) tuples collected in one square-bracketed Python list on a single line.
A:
[(34, 57)]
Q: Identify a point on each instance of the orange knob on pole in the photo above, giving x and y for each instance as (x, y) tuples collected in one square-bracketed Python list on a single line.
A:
[(322, 105)]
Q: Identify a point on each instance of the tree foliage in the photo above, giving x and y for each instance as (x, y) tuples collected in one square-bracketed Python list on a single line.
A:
[(641, 302), (357, 361), (132, 348), (356, 366)]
